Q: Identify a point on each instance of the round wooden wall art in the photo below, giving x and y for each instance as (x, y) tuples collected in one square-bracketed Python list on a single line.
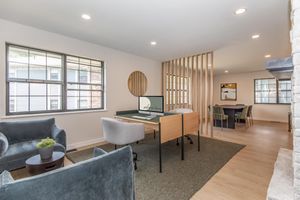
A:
[(137, 83)]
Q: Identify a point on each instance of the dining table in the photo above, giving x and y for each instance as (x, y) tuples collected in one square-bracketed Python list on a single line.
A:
[(231, 111)]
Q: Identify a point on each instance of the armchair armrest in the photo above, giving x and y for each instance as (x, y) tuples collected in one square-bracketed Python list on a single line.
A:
[(59, 135)]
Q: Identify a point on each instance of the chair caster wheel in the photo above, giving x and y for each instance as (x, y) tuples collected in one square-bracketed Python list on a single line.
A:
[(177, 144), (135, 167), (191, 142)]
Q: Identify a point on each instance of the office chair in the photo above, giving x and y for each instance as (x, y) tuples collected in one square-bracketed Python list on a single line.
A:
[(122, 133)]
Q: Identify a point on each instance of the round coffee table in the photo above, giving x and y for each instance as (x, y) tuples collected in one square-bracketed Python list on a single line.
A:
[(36, 165)]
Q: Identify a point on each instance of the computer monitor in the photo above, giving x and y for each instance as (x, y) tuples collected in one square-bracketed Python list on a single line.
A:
[(151, 104)]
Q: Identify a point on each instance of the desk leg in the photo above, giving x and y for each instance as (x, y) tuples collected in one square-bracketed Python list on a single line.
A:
[(182, 139), (198, 140), (159, 147)]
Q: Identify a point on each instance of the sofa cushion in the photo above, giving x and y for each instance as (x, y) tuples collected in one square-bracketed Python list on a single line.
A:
[(5, 178), (26, 130), (3, 144)]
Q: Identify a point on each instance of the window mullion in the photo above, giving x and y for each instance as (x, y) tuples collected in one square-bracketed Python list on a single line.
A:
[(64, 86)]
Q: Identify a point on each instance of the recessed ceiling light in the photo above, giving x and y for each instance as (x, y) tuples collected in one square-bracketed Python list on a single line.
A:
[(85, 16), (268, 56), (240, 11), (226, 71), (153, 43), (256, 36)]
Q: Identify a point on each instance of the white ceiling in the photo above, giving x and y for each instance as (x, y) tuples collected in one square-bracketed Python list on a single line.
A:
[(180, 27)]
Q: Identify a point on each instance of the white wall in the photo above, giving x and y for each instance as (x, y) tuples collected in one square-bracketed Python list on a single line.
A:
[(82, 128), (245, 95)]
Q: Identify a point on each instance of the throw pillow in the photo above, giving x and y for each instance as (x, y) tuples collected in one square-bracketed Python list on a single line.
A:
[(3, 144), (5, 178)]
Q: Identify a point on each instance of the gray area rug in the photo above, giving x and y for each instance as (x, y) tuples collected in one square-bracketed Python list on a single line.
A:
[(179, 179)]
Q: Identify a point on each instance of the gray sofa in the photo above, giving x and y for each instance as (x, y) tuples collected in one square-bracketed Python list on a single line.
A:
[(22, 137), (105, 177)]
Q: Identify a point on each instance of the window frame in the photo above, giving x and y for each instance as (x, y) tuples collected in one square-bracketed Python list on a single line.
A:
[(63, 83), (277, 91)]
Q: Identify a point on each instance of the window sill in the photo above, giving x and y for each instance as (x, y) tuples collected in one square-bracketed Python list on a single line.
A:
[(50, 114)]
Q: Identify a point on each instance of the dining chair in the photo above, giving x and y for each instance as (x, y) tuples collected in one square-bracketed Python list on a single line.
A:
[(249, 115), (122, 133), (242, 116), (219, 115)]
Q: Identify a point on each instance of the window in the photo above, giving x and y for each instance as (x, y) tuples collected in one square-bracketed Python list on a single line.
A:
[(183, 89), (285, 91), (84, 83), (36, 81), (272, 91)]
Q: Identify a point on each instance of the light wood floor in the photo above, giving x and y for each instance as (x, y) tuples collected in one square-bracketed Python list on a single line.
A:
[(248, 173)]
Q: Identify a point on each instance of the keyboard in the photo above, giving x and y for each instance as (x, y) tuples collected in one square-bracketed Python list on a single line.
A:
[(143, 117)]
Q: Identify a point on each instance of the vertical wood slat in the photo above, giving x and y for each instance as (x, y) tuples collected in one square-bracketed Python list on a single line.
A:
[(168, 83), (205, 96), (184, 83), (211, 94), (164, 85), (173, 89), (188, 82), (201, 96), (179, 83)]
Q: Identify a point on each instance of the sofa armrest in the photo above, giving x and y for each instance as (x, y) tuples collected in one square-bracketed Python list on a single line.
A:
[(59, 135)]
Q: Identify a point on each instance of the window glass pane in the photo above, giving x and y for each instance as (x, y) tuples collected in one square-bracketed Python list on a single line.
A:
[(54, 90), (20, 104), (84, 77), (85, 61), (37, 57), (85, 102), (85, 93), (96, 102), (37, 72), (37, 89), (96, 69), (73, 86), (73, 93), (95, 63), (54, 74), (54, 60), (54, 103), (38, 103), (85, 87), (18, 70), (72, 59), (18, 89), (18, 54), (72, 103)]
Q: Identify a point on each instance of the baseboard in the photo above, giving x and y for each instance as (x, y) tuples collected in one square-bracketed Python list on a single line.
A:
[(270, 121), (84, 143)]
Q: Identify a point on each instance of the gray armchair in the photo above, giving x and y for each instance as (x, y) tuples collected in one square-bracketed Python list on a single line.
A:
[(108, 176), (22, 138)]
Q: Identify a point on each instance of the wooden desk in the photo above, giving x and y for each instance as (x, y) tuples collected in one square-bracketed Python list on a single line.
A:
[(231, 110), (169, 127)]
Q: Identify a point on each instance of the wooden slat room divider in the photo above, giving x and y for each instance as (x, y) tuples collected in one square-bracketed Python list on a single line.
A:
[(188, 83)]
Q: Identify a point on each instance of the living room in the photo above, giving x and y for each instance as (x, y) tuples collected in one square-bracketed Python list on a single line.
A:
[(83, 73)]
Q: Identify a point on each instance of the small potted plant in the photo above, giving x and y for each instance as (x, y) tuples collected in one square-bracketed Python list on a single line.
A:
[(45, 147)]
